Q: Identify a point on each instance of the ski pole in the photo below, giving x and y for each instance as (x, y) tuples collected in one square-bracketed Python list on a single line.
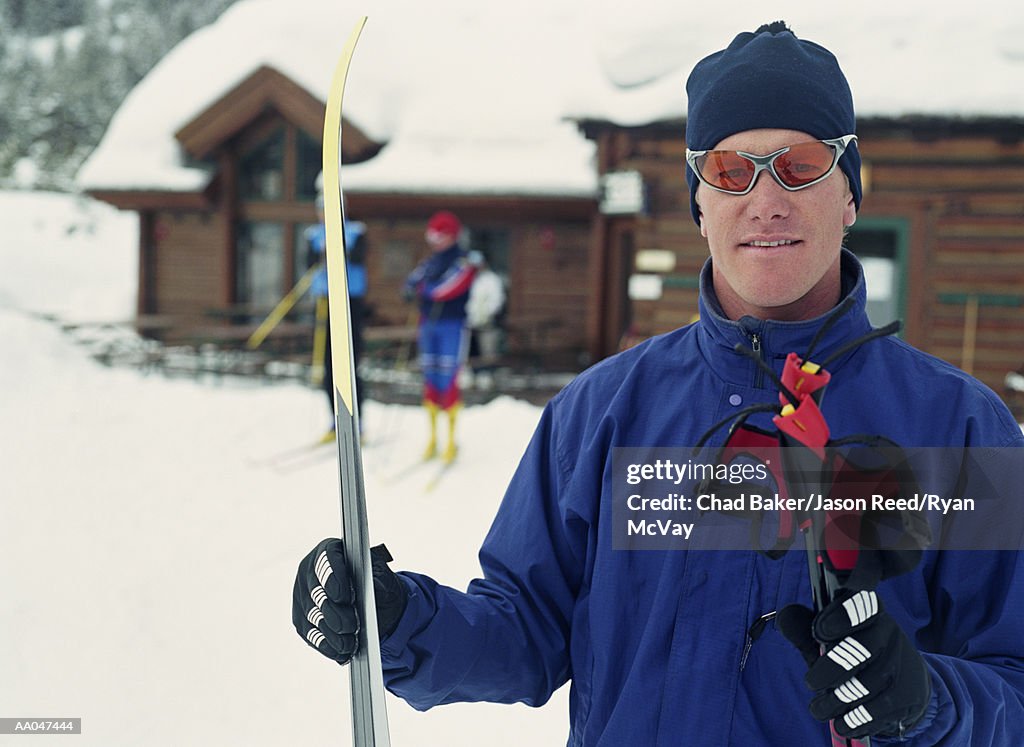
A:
[(824, 581), (405, 351), (319, 342), (283, 307), (804, 435)]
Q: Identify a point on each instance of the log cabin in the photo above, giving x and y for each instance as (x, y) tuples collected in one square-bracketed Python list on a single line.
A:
[(228, 252), (595, 260)]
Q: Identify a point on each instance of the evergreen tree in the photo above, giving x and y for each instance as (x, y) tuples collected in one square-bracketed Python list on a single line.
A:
[(55, 108), (42, 17)]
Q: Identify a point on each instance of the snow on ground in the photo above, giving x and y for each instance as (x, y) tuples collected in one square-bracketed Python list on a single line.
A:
[(148, 541)]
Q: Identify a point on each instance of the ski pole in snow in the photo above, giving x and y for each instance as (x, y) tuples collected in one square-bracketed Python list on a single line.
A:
[(319, 342), (369, 718), (283, 307)]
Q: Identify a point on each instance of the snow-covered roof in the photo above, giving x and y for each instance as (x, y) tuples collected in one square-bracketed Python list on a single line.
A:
[(903, 58), (467, 98), (476, 97)]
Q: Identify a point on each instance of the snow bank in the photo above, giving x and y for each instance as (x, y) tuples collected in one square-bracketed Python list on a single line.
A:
[(148, 537)]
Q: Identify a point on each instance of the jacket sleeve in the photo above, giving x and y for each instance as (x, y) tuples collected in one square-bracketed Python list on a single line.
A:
[(506, 638), (978, 687), (456, 283), (413, 280), (974, 645)]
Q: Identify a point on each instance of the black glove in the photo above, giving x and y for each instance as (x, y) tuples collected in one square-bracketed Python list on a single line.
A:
[(869, 677), (324, 605)]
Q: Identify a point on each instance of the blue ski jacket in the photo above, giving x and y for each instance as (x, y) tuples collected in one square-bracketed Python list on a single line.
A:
[(355, 265), (655, 643), (441, 284)]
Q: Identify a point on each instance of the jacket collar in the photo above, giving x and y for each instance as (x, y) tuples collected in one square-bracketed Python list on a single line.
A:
[(718, 335), (439, 262)]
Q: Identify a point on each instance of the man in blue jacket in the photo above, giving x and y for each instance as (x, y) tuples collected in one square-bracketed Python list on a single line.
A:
[(678, 647)]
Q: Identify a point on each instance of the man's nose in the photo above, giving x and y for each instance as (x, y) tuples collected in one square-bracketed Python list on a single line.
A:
[(768, 200)]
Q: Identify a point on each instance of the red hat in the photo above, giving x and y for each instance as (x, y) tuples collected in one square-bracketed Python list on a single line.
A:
[(444, 223)]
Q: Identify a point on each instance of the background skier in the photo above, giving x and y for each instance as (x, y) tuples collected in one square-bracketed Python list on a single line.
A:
[(355, 264), (440, 285)]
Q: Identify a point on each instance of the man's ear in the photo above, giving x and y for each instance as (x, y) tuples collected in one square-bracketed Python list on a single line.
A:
[(703, 230), (849, 211)]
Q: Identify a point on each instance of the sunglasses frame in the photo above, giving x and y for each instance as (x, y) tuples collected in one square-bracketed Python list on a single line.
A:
[(767, 163)]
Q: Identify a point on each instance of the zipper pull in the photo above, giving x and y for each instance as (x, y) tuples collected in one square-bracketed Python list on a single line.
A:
[(755, 345), (753, 633)]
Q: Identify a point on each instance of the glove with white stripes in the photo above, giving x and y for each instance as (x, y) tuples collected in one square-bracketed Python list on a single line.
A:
[(867, 674), (324, 604)]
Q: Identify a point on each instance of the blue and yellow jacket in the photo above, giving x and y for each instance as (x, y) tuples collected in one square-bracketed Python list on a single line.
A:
[(355, 265)]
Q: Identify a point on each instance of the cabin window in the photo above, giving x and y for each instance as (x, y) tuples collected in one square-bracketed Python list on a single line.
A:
[(396, 258), (260, 278), (261, 170), (494, 244), (879, 249), (308, 161)]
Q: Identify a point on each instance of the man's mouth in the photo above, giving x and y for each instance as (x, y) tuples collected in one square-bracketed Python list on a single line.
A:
[(769, 244)]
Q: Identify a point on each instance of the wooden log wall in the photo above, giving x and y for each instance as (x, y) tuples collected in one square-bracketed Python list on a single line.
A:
[(658, 153), (961, 189), (189, 260), (547, 298)]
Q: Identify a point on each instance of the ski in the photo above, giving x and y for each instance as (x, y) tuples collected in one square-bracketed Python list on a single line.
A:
[(438, 475), (369, 717), (312, 454), (406, 471), (295, 453)]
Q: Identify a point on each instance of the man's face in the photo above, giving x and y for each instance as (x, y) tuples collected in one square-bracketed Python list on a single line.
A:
[(775, 253), (439, 241)]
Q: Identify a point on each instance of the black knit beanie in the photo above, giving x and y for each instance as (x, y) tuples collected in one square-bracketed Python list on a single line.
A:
[(770, 79)]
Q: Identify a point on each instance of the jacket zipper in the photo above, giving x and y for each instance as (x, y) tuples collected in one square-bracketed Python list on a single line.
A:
[(753, 633), (755, 344)]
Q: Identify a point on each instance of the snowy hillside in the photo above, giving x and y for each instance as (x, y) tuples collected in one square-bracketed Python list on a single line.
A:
[(148, 541)]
